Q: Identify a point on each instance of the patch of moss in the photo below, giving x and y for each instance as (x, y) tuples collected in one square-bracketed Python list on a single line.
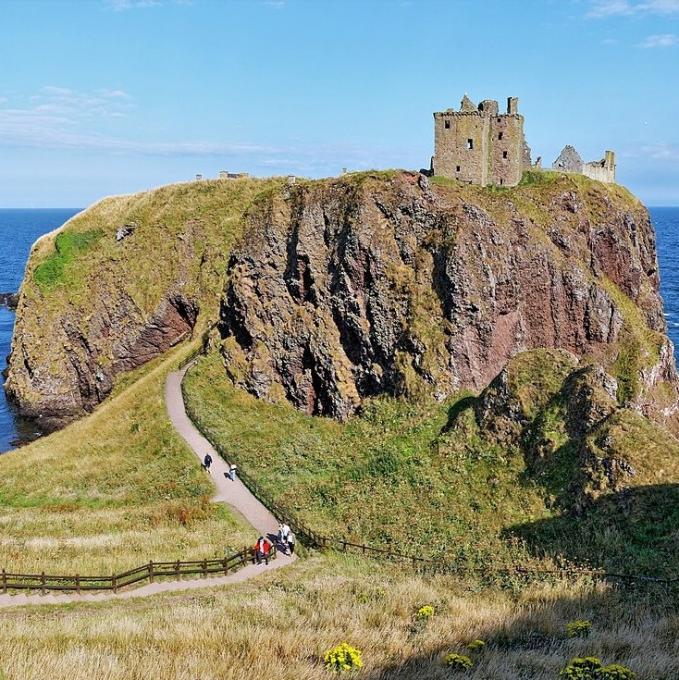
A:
[(67, 246)]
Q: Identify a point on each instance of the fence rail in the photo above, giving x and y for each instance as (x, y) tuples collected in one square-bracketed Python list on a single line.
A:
[(150, 571)]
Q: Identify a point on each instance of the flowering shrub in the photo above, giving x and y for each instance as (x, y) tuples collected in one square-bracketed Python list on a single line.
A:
[(458, 662), (590, 668), (424, 613), (476, 645), (616, 672), (343, 658), (578, 628), (582, 669)]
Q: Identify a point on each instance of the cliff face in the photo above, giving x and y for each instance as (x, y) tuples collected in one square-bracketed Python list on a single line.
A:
[(337, 290), (117, 286), (386, 283)]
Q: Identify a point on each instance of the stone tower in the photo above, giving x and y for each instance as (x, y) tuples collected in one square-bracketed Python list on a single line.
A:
[(479, 145)]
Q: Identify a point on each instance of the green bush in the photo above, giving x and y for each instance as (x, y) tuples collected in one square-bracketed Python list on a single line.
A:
[(616, 672), (458, 662), (424, 613), (578, 628), (586, 668), (343, 658)]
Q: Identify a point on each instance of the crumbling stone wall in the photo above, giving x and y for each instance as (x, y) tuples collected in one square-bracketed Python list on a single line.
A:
[(479, 145), (569, 160)]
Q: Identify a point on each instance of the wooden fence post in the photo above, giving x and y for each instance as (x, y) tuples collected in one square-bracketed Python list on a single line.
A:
[(42, 582), (226, 566), (114, 583), (77, 583), (176, 569), (4, 581), (151, 571), (204, 568)]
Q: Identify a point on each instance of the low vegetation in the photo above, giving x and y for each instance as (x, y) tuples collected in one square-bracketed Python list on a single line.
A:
[(283, 623), (112, 491), (400, 475)]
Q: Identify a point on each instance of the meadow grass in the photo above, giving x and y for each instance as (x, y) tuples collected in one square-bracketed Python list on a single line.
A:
[(282, 623), (112, 491), (398, 475)]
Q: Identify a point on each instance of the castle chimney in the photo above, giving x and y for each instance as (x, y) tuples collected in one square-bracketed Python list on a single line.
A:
[(512, 105)]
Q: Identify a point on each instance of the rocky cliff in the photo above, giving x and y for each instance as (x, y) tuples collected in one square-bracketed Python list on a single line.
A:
[(393, 283), (118, 285), (331, 291)]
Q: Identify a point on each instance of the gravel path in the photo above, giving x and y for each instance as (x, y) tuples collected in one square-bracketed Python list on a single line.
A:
[(234, 494)]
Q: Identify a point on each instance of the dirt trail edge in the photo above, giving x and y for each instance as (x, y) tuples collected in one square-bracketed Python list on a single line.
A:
[(234, 494)]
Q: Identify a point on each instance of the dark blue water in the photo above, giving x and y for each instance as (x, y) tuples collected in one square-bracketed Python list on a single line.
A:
[(18, 230), (666, 223)]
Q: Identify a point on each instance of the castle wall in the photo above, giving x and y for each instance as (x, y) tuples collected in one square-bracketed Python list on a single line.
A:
[(452, 157), (506, 144), (597, 170)]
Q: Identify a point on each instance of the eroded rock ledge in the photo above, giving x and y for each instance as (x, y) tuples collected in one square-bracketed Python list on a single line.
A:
[(348, 288)]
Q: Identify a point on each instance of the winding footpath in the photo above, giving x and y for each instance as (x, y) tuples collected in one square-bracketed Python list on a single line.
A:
[(234, 494)]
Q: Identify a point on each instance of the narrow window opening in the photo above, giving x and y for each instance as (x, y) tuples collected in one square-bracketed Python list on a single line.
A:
[(504, 154), (446, 124), (500, 135), (458, 168), (501, 181), (470, 143)]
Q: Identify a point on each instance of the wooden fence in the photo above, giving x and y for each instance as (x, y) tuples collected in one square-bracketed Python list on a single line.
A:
[(147, 572)]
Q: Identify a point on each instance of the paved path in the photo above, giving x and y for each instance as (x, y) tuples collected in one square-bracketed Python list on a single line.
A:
[(234, 494)]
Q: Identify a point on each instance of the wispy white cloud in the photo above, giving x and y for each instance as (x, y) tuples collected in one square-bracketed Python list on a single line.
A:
[(122, 5), (60, 118), (601, 9), (660, 40), (658, 152)]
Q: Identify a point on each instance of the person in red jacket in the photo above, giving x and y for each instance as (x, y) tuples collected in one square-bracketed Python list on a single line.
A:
[(262, 550)]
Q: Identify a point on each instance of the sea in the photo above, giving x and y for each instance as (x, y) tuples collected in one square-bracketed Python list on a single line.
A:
[(20, 228), (18, 231)]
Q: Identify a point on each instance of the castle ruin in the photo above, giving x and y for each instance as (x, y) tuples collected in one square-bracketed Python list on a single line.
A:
[(569, 160), (479, 145)]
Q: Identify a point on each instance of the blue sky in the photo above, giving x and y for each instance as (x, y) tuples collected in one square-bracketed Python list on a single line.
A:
[(101, 97)]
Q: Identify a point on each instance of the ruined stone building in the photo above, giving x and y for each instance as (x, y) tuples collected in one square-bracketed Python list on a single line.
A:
[(569, 161), (480, 145)]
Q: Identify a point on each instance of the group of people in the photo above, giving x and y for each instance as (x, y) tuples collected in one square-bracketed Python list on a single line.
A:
[(231, 474), (286, 539)]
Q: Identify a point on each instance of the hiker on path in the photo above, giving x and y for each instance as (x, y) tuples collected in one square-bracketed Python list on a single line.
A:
[(291, 543), (283, 533), (231, 474), (262, 550), (207, 461)]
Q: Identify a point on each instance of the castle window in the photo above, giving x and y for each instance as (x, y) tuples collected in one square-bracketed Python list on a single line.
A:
[(500, 135), (501, 181), (470, 143), (504, 154), (446, 125), (458, 168)]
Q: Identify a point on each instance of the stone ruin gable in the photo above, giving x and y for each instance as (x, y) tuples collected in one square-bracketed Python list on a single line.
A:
[(569, 160), (479, 145)]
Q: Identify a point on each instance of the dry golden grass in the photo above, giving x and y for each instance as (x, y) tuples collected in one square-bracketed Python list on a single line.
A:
[(112, 491), (283, 622)]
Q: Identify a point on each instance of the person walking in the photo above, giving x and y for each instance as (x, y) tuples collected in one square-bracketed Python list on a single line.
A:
[(207, 461), (291, 543), (231, 474), (262, 550)]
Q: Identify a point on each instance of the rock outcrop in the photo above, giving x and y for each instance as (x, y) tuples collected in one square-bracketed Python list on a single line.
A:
[(385, 283), (331, 291)]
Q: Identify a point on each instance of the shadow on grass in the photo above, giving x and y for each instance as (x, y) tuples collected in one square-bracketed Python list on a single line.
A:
[(633, 531), (636, 628)]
